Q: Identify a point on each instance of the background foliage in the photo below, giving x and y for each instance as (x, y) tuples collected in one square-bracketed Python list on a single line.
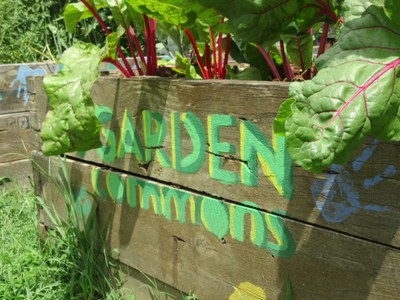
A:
[(33, 30)]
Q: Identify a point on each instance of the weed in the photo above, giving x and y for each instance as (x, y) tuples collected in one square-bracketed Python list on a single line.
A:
[(34, 30), (71, 263), (80, 241), (25, 271)]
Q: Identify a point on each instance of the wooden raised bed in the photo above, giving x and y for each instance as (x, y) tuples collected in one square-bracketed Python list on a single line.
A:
[(18, 135), (204, 198)]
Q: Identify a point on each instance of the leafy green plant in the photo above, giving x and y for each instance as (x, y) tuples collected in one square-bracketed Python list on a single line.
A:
[(355, 93), (32, 30), (78, 128), (72, 125), (285, 22)]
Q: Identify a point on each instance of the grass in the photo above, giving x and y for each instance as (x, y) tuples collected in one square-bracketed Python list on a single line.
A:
[(72, 262), (67, 266), (27, 272)]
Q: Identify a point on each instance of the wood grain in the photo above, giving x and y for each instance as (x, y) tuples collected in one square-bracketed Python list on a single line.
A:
[(326, 264), (17, 137), (13, 84), (360, 199), (19, 172)]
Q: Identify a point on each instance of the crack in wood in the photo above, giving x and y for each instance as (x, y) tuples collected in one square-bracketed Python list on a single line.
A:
[(229, 157), (178, 239)]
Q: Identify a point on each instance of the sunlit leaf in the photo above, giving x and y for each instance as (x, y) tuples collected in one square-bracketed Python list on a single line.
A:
[(356, 93), (71, 124)]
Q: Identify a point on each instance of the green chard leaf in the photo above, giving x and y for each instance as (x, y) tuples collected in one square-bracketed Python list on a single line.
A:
[(249, 73), (284, 113), (160, 10), (122, 13), (352, 9), (263, 22), (71, 125), (184, 14), (76, 12), (112, 43), (300, 50), (355, 93)]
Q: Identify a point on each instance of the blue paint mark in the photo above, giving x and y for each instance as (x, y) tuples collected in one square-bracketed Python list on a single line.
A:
[(340, 185), (82, 203), (376, 208), (389, 171), (23, 72), (1, 97), (366, 154)]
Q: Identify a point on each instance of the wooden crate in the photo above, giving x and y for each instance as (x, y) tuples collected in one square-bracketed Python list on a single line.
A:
[(17, 123), (203, 197)]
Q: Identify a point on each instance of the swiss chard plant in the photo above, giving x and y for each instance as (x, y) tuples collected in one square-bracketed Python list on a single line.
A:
[(355, 93), (72, 115), (289, 23), (350, 92)]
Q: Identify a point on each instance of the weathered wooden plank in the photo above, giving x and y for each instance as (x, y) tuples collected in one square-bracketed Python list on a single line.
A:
[(360, 198), (206, 251), (17, 138), (14, 91), (144, 287), (19, 172), (131, 282)]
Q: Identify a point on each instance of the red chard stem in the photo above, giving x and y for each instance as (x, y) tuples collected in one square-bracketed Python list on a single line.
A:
[(153, 27), (286, 64), (226, 58), (270, 62), (197, 52), (138, 45), (214, 49), (148, 41), (107, 32), (324, 39), (208, 61), (97, 17), (220, 50), (119, 66)]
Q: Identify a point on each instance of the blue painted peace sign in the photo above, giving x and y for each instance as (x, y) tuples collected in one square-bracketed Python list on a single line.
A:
[(329, 193)]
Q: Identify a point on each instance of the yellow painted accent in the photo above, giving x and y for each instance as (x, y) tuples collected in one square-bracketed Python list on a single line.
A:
[(173, 145), (265, 167), (274, 141), (144, 126), (153, 200), (242, 142), (123, 129), (108, 184), (253, 229), (183, 117), (192, 202), (271, 176), (140, 195), (271, 228), (210, 156), (233, 221), (203, 219), (162, 199), (128, 191), (159, 158), (248, 291), (146, 137), (94, 176)]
